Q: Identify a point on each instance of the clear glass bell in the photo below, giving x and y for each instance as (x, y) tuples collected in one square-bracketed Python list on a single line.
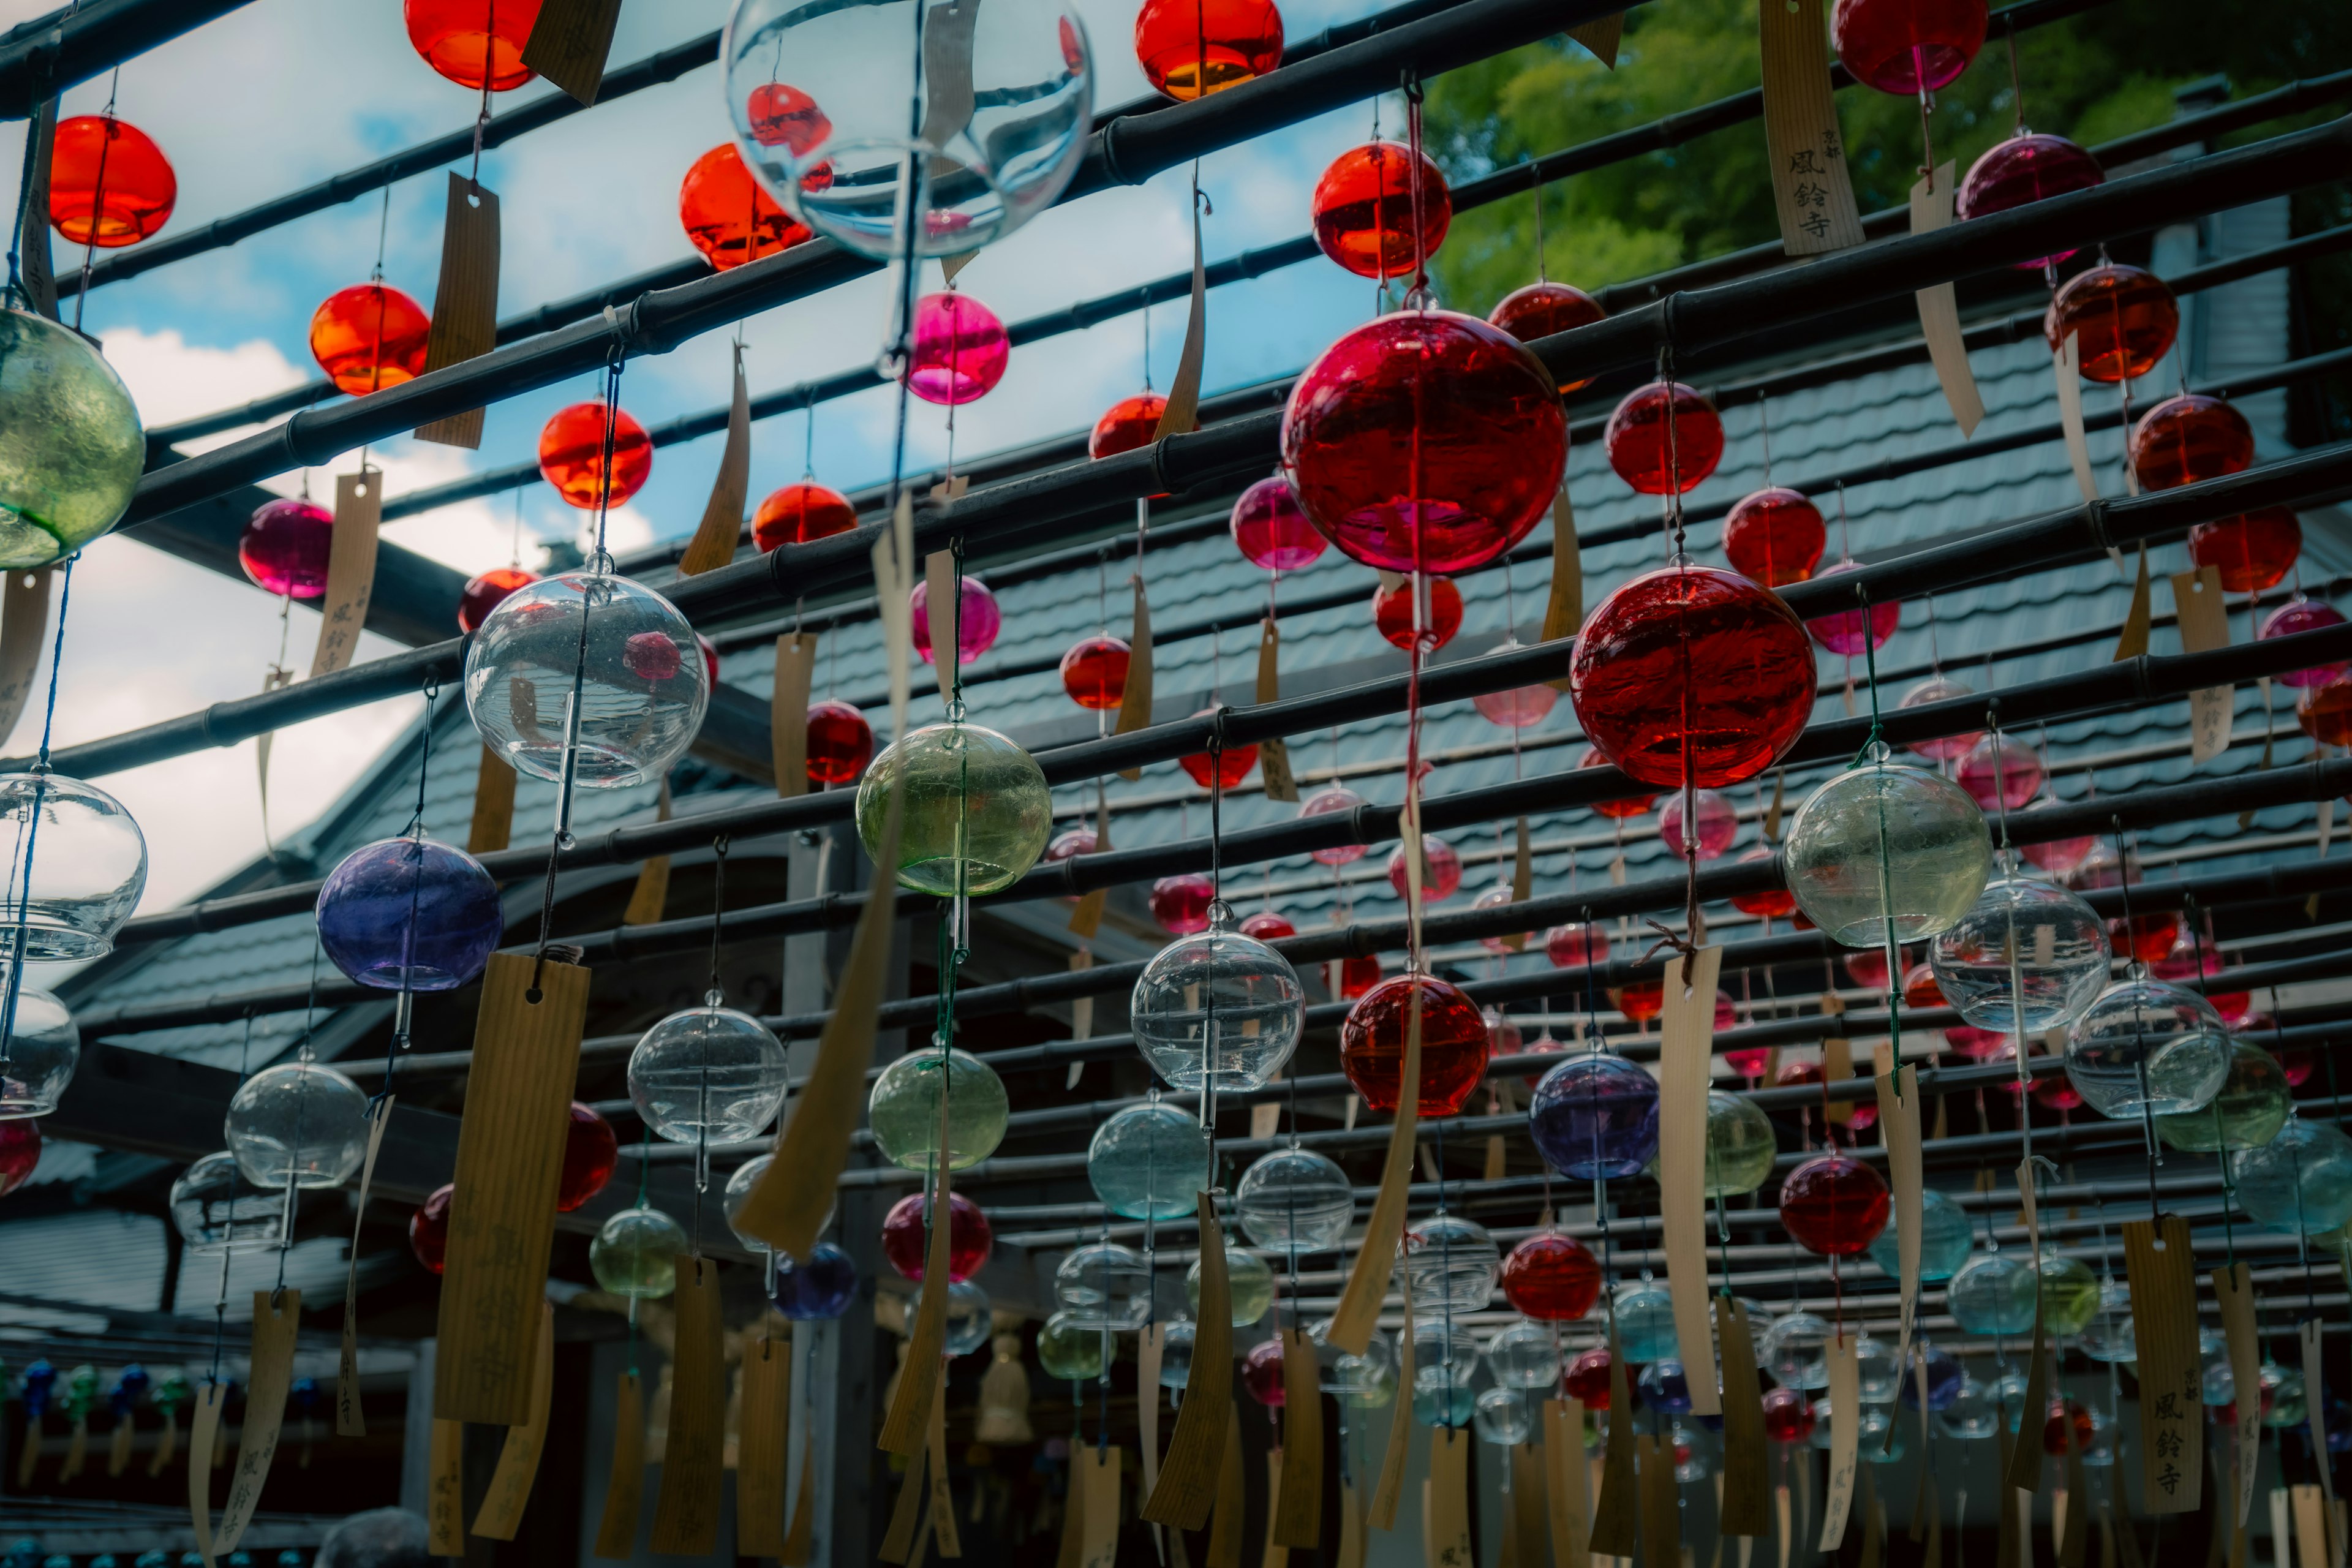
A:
[(968, 1316), (1450, 1261), (2110, 1335), (1436, 1342), (1972, 1414), (2022, 937), (975, 811), (1104, 1285), (1294, 1199), (642, 688), (707, 1071), (1217, 1005), (1524, 1355), (738, 1192), (299, 1122), (1439, 1400), (1149, 1162), (71, 450), (217, 1210), (2147, 1046), (1881, 1374), (2299, 1182), (1795, 1349), (903, 1110), (1994, 1293), (1880, 839), (1644, 1320), (38, 1056), (1502, 1416), (1176, 1352), (1362, 1382), (634, 1253), (1249, 1286), (88, 866)]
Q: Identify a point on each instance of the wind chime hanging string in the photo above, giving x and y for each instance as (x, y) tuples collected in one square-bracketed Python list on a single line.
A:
[(2147, 1095), (21, 937), (714, 995), (97, 197), (404, 1005)]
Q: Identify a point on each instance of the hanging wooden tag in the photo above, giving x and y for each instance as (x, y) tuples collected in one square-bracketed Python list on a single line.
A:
[(2204, 621), (788, 1206), (510, 1163), (909, 1511), (894, 585), (2074, 1534), (942, 1521), (685, 1509), (274, 1330), (494, 797), (2234, 1288), (1389, 1489), (1745, 1493), (205, 1432), (788, 711), (617, 1529), (24, 637), (2133, 643), (1523, 876), (1232, 1512), (2310, 1528), (351, 1420), (351, 570), (1082, 1015), (2066, 366), (1685, 1054), (1771, 826), (2307, 1335), (466, 304), (1781, 1514), (763, 1433), (1528, 1504), (569, 43), (1616, 1513), (1449, 1498), (1188, 1480), (1601, 35), (1299, 1521), (1099, 1484), (501, 1511), (650, 896), (1367, 1278), (2163, 1278), (939, 588), (1087, 919), (1837, 1067), (1845, 1394), (1939, 307), (1151, 1346), (1931, 1554), (445, 1495), (33, 240), (721, 528), (905, 1426), (1351, 1529), (1135, 698), (798, 1540), (1661, 1516), (1181, 412), (1564, 605), (1898, 1122), (1811, 192), (1273, 753)]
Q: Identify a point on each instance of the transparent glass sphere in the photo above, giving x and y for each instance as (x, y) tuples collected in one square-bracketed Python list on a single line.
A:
[(738, 1192), (1294, 1199), (409, 913), (1217, 1005), (2058, 945), (1741, 1145), (968, 1316), (1104, 1285), (1524, 1355), (1971, 1415), (1149, 1162), (2070, 1294), (2254, 1102), (1795, 1351), (2289, 1406), (823, 103), (707, 1071), (1176, 1352), (2146, 1045), (1881, 1374), (1437, 1341), (297, 1121), (976, 811), (2109, 1335), (1451, 1261), (1439, 1400), (1879, 838), (643, 684), (1645, 1322), (2301, 1181), (43, 1046), (87, 857), (71, 448), (1874, 1447), (217, 1210), (1945, 1239), (1249, 1286), (1367, 1382), (1071, 1351), (903, 1110), (1994, 1293), (2101, 1450), (1820, 1436), (636, 1252), (1501, 1414), (1664, 1387)]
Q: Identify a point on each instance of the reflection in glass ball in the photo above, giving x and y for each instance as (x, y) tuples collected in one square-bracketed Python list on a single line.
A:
[(2147, 1046), (80, 863), (1295, 1197), (636, 1252), (410, 914), (217, 1210), (1104, 1285), (1994, 1293), (903, 1110), (709, 1071), (1217, 1005), (1879, 840), (44, 1046), (71, 450), (1945, 1238), (976, 811), (1645, 1322), (1450, 1261), (1149, 1161), (2301, 1181), (1524, 1355), (299, 1122), (1249, 1286), (2051, 942), (1072, 1352)]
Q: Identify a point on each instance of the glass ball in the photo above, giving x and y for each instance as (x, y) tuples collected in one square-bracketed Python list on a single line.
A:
[(1367, 1382), (1365, 204), (1995, 774), (1595, 1116), (1945, 1380), (1787, 1417), (2109, 1335), (1441, 870), (1741, 1145), (1432, 402), (71, 443), (1641, 1000), (1249, 1286), (1585, 1381), (2058, 943), (44, 1046), (475, 46), (2252, 552), (1774, 536), (1358, 976), (2070, 1294), (571, 456), (2325, 712), (2300, 1182), (800, 514), (1104, 1285), (1520, 707), (1972, 1415), (2287, 1404), (1795, 1349), (1543, 309), (1324, 801), (1218, 1006), (1523, 1354), (1262, 1374), (2253, 1104), (285, 545), (1179, 904), (368, 337), (1176, 1352), (1224, 769), (2302, 614), (708, 1072), (2056, 857), (969, 1316), (906, 1237), (1873, 1442), (428, 1230), (300, 1122), (1441, 614), (409, 914), (978, 619), (1907, 46), (110, 183), (2187, 438), (1994, 1293), (214, 1207), (726, 216), (1551, 1277), (1577, 945), (1879, 842), (975, 809), (1858, 630), (961, 349), (1093, 672), (817, 1289), (1664, 1387), (2123, 320), (1719, 825), (840, 743), (1268, 926), (1292, 1198), (485, 592), (1442, 1401), (1126, 426), (903, 1110), (1501, 1417), (1645, 1322), (1453, 1044), (635, 1252), (1151, 1162), (1945, 1239), (1451, 1262), (1833, 1204), (1497, 897), (1658, 453), (2030, 166), (642, 698), (1070, 1350), (2146, 1045), (1940, 748), (1692, 658), (1272, 529), (590, 1149), (1881, 1375), (833, 144)]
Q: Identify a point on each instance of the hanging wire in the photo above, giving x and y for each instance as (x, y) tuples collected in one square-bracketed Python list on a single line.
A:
[(18, 949), (97, 197)]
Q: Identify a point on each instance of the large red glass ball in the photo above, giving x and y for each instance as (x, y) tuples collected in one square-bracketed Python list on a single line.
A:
[(467, 39), (2302, 614), (109, 182), (1833, 1204), (1657, 454), (978, 619), (1268, 926), (1858, 630), (959, 349), (1093, 672), (1262, 1373), (1620, 810), (1129, 423), (1191, 48), (285, 547), (428, 1230), (1787, 1417), (840, 743), (484, 592), (2066, 1413), (1272, 529), (1904, 47), (2187, 438), (2325, 712), (726, 215), (1585, 1381), (904, 1237), (2123, 320), (1551, 1278), (1919, 987), (1224, 769), (1434, 396), (1641, 1000), (590, 1149), (20, 1151), (1452, 1043), (368, 337), (571, 455), (2252, 551), (1358, 975), (1441, 869), (1363, 210), (800, 512), (1998, 773), (1774, 536), (1180, 903), (1442, 616), (2030, 167), (1691, 665), (1544, 309)]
